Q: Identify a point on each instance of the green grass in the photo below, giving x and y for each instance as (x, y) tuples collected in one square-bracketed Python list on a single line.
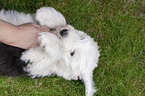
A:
[(119, 28)]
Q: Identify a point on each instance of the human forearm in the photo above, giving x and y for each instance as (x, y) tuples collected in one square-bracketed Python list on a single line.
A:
[(8, 32), (23, 36)]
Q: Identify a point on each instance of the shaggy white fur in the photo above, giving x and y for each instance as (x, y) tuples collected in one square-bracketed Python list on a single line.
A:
[(65, 51)]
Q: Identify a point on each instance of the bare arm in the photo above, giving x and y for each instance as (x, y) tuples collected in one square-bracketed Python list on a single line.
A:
[(23, 36), (7, 32)]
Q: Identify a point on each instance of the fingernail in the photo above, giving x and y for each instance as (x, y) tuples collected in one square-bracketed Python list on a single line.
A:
[(35, 25)]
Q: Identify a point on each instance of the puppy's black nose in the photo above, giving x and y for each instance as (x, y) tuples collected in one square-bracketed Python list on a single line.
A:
[(64, 32), (52, 29)]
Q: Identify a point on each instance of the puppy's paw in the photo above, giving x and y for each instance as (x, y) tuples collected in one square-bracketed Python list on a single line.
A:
[(46, 38), (48, 16)]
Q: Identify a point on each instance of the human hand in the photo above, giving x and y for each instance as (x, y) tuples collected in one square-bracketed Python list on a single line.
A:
[(27, 34)]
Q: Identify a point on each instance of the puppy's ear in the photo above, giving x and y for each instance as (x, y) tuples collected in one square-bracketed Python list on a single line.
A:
[(48, 16)]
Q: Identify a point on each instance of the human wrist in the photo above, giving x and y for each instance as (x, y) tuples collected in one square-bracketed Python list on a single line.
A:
[(13, 35)]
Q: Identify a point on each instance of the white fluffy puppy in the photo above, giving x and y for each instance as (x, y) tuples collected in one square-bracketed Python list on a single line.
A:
[(64, 51)]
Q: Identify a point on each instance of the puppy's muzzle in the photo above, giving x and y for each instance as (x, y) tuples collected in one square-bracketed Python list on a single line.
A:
[(59, 33)]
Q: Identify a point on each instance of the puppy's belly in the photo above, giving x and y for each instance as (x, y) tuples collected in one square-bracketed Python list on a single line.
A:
[(10, 63)]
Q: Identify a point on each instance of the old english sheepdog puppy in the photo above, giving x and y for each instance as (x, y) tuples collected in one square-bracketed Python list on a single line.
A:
[(64, 51)]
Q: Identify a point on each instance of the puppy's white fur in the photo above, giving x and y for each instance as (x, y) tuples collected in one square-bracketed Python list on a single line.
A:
[(54, 19), (53, 56), (16, 18)]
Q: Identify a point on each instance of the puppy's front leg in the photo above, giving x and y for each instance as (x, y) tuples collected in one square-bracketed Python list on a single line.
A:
[(89, 84), (51, 44)]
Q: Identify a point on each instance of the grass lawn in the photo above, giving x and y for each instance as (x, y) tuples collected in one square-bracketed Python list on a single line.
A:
[(119, 28)]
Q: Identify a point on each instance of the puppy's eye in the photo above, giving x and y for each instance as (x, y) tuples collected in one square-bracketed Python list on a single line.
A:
[(64, 32), (72, 53)]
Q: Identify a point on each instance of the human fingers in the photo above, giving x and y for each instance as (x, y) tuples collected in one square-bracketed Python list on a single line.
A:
[(46, 29), (42, 29)]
